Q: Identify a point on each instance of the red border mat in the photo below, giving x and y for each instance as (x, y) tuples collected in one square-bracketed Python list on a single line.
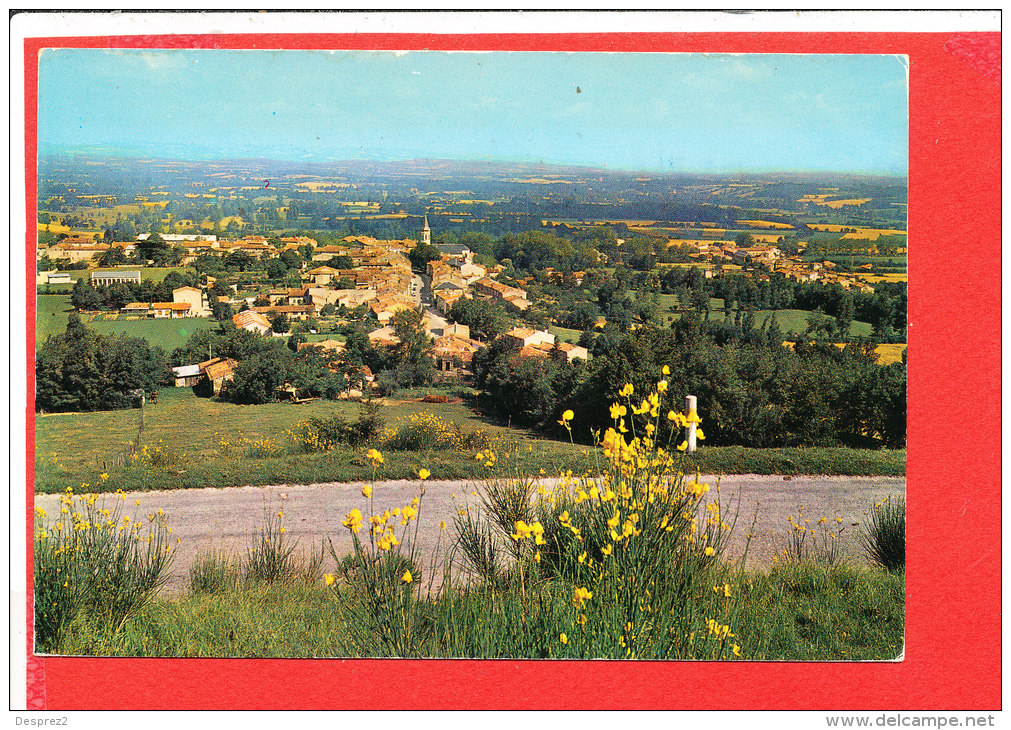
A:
[(952, 652)]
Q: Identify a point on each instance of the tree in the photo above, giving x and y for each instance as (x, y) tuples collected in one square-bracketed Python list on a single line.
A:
[(412, 355), (258, 379), (420, 256), (280, 323), (485, 319), (276, 269), (84, 297), (114, 256), (84, 371), (220, 310)]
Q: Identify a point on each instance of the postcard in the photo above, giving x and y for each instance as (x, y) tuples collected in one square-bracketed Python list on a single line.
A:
[(430, 359)]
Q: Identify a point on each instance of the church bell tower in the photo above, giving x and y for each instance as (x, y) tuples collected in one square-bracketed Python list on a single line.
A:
[(426, 233)]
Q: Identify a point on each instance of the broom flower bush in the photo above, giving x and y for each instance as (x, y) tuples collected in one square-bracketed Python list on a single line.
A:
[(637, 549), (378, 599), (95, 563)]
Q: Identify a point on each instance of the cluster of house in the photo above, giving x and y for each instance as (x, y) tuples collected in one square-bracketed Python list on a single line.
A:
[(369, 272), (773, 257)]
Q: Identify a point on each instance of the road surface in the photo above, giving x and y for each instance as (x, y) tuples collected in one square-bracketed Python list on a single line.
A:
[(225, 519)]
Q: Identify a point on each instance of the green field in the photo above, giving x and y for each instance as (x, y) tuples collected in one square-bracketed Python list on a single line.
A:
[(74, 448), (147, 273), (166, 333), (564, 334), (790, 320)]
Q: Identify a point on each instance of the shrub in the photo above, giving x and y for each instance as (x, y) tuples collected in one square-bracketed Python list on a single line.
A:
[(93, 561), (385, 384), (379, 606), (157, 456), (246, 448), (322, 434), (622, 566), (270, 558), (885, 536), (425, 431)]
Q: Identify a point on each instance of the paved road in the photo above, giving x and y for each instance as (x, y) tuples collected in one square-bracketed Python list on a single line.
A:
[(225, 519)]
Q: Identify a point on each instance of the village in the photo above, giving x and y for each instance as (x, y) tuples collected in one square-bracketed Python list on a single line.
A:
[(375, 279)]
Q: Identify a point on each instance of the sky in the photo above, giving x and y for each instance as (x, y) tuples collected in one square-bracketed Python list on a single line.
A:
[(645, 111)]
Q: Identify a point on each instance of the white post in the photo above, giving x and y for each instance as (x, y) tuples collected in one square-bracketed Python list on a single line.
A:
[(691, 414)]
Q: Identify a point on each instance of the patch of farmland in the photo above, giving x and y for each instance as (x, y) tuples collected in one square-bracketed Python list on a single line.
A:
[(766, 224)]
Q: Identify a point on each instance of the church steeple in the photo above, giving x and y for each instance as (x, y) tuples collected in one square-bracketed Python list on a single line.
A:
[(426, 233)]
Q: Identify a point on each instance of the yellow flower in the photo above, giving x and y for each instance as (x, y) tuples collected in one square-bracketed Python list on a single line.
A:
[(442, 524), (366, 491), (606, 550), (682, 446), (580, 596), (564, 639), (617, 411), (353, 521), (407, 577), (736, 650), (699, 435), (424, 473), (709, 551), (567, 416), (329, 579), (103, 476), (661, 387), (626, 390), (523, 531), (665, 370)]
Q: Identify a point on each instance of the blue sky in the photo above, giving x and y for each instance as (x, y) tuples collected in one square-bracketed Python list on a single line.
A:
[(663, 112)]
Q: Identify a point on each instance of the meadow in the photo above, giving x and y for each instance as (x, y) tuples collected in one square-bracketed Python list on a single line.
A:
[(790, 320), (51, 319), (191, 442)]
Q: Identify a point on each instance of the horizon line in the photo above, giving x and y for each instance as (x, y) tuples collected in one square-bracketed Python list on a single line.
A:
[(126, 153)]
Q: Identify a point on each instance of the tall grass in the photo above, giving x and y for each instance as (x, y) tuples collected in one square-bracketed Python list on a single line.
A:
[(814, 542), (885, 536)]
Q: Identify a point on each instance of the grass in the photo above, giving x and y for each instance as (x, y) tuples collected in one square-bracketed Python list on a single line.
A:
[(74, 448), (564, 334), (789, 319), (169, 334), (808, 612), (791, 612), (165, 333), (147, 273)]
